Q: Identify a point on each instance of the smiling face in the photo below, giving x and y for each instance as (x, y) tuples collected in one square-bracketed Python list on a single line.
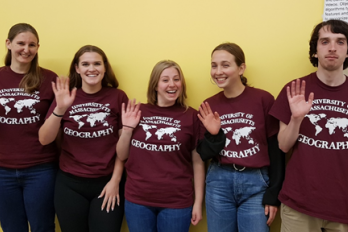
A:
[(224, 70), (91, 69), (23, 48), (169, 87), (331, 50)]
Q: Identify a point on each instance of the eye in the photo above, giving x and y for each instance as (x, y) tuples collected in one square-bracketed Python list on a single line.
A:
[(20, 43), (226, 66), (341, 42), (213, 66), (324, 42), (97, 63), (177, 79), (32, 45), (84, 64)]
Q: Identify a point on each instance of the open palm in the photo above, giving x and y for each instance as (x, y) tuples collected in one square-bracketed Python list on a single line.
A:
[(296, 96)]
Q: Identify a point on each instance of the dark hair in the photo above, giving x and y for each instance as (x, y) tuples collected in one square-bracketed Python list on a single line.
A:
[(333, 25), (33, 79), (155, 77), (238, 54), (109, 78)]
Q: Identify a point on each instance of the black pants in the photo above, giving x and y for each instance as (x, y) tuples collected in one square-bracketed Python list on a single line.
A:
[(78, 207)]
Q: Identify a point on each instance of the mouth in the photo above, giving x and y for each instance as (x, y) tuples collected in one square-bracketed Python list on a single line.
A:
[(25, 55), (220, 79), (331, 57), (172, 91), (91, 75)]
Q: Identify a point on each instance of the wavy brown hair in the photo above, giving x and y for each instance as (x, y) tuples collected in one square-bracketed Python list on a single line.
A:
[(109, 78), (155, 77), (33, 79)]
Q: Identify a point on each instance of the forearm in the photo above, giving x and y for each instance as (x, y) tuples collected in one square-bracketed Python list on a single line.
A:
[(198, 177), (288, 134), (118, 170), (123, 144), (49, 130)]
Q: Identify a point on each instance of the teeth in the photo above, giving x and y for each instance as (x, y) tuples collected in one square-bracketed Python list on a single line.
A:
[(91, 75), (220, 79), (173, 91)]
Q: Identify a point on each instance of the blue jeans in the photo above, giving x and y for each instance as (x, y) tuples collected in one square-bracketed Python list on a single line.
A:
[(234, 199), (142, 218), (27, 195)]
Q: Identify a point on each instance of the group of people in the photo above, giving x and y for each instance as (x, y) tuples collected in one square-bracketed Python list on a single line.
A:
[(77, 147)]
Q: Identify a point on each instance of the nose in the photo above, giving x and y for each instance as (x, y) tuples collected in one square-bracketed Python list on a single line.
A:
[(26, 48), (219, 70), (91, 67), (332, 47), (171, 82)]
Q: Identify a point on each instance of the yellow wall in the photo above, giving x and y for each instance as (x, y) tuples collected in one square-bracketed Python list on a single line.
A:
[(135, 34)]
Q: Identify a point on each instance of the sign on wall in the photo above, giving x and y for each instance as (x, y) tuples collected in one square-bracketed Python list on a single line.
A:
[(336, 9)]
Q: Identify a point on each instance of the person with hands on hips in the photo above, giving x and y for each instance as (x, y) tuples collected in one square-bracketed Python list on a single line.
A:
[(159, 146), (27, 169), (245, 177), (89, 193)]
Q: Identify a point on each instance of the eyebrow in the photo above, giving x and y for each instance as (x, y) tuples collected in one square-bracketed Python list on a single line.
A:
[(338, 38)]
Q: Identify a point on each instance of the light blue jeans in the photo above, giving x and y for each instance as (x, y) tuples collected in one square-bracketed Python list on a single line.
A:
[(142, 218), (234, 199)]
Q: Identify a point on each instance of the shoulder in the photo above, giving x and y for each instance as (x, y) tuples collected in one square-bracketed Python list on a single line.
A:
[(6, 70), (260, 93), (47, 72), (215, 97), (48, 75)]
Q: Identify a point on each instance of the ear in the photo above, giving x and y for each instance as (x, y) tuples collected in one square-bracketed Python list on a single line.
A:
[(77, 69), (315, 55), (242, 68), (8, 44)]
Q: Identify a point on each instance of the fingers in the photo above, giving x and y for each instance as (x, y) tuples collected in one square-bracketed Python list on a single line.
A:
[(310, 98), (303, 88), (123, 109), (217, 116), (118, 200), (271, 212)]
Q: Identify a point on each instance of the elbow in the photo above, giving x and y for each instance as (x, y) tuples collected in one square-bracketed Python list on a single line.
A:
[(284, 148), (43, 141)]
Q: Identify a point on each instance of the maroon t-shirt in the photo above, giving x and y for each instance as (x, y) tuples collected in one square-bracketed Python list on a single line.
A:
[(90, 132), (159, 167), (316, 180), (247, 125), (21, 116)]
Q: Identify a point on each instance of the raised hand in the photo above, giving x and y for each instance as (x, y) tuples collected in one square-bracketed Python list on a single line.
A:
[(210, 120), (131, 114), (64, 97), (296, 96)]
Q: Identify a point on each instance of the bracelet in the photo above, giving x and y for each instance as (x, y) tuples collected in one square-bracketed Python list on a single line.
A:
[(57, 115), (129, 126)]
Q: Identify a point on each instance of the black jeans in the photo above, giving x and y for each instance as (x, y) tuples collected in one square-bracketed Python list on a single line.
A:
[(79, 208)]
